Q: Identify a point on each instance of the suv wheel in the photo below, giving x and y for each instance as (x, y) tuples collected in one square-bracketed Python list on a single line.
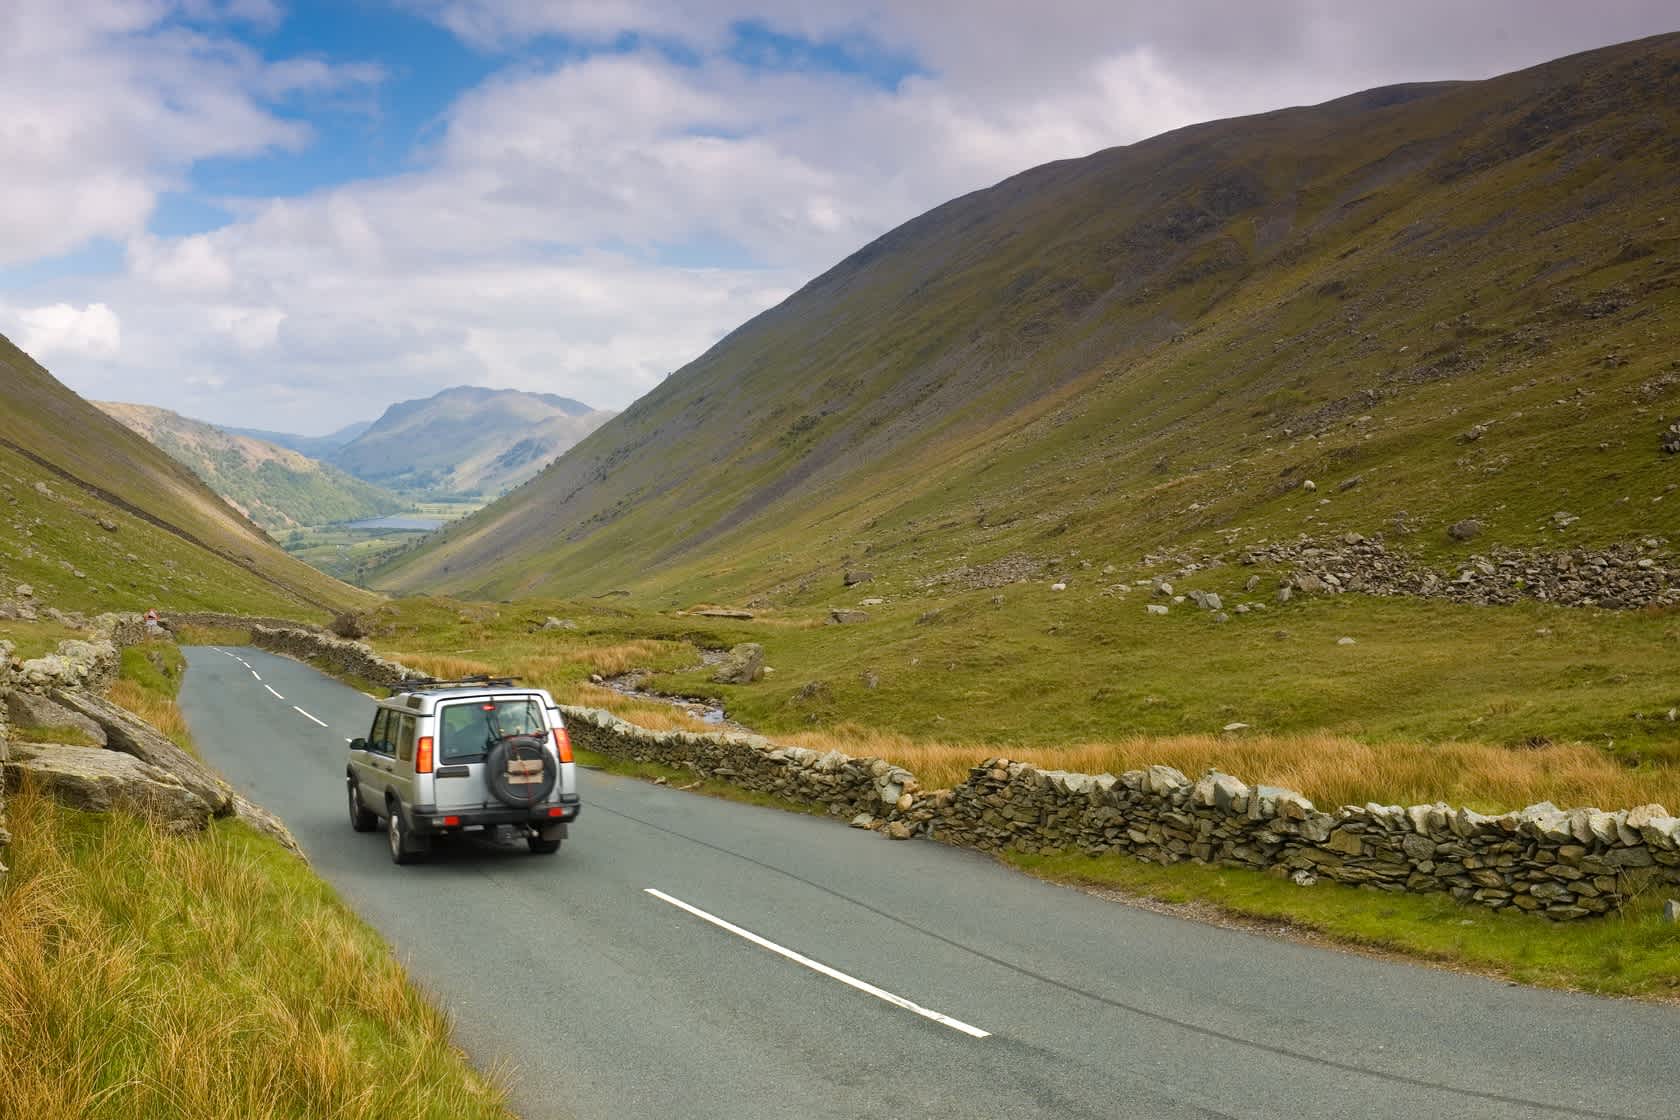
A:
[(543, 847), (405, 847), (362, 819)]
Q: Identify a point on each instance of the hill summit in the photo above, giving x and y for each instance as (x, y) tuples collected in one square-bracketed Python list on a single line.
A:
[(1404, 311), (467, 440)]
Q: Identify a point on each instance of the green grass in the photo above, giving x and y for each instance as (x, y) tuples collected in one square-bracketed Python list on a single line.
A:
[(37, 639), (1632, 953), (148, 975)]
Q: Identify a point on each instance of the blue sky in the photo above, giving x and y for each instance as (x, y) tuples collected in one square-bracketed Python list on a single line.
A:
[(291, 213)]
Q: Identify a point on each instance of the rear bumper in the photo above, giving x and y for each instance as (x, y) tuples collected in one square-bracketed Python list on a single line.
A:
[(432, 820)]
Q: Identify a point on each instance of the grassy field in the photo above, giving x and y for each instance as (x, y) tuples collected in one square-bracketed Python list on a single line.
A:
[(149, 975), (1523, 704)]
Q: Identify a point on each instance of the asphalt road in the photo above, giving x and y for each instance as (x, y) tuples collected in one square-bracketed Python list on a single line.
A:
[(602, 999)]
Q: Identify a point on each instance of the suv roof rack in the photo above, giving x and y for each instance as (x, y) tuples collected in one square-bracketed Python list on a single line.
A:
[(482, 680)]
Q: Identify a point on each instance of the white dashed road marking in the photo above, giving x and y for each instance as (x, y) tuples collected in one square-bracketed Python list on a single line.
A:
[(307, 716), (818, 966), (271, 691)]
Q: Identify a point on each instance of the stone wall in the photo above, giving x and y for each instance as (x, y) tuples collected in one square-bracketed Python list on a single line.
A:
[(77, 663), (341, 654), (1559, 863), (843, 785)]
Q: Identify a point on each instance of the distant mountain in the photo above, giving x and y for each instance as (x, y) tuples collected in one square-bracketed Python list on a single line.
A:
[(467, 440), (274, 486), (100, 519), (316, 447), (1437, 304)]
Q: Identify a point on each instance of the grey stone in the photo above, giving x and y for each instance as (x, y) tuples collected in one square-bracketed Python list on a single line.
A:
[(131, 735), (745, 665), (863, 820), (32, 710), (99, 781), (844, 617), (1465, 530), (852, 579), (1671, 911), (1156, 608)]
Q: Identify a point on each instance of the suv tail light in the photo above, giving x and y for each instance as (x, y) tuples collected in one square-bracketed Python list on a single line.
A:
[(563, 744), (423, 755)]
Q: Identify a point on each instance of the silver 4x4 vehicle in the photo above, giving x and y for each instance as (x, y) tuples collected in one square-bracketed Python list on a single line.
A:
[(447, 757)]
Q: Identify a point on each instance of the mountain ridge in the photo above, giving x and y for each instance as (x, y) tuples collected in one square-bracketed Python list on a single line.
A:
[(1157, 342), (277, 487)]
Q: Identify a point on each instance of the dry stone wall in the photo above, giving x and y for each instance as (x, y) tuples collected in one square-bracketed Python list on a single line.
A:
[(1559, 863), (352, 658)]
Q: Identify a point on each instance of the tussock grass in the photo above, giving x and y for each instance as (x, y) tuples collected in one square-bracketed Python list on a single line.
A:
[(150, 681), (1330, 769), (212, 636), (445, 667), (150, 976)]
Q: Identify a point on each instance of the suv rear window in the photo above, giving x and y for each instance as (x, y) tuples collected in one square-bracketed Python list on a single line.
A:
[(466, 730)]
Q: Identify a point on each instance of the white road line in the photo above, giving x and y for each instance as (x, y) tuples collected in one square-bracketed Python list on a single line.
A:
[(271, 691), (818, 966), (306, 715), (254, 674)]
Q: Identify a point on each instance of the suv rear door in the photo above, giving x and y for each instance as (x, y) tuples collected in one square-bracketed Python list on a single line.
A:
[(465, 727)]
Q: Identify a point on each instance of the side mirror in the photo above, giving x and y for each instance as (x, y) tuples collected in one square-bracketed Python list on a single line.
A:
[(358, 744)]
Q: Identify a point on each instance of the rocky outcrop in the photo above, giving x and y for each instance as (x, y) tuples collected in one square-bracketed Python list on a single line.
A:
[(1621, 577), (99, 781), (34, 712), (131, 735)]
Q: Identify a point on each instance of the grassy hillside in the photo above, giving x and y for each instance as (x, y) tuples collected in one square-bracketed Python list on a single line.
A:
[(274, 486), (467, 440), (96, 518), (1438, 302)]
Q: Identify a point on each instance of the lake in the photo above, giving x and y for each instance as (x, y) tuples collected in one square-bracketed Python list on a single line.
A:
[(398, 523)]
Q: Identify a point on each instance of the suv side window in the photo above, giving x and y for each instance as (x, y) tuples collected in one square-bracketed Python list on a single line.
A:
[(405, 738), (379, 739)]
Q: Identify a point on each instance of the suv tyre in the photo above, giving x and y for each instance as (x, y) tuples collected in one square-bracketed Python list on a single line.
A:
[(362, 819), (405, 846), (546, 841)]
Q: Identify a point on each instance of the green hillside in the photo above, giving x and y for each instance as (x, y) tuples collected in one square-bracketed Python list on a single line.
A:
[(276, 487), (98, 519), (1436, 302)]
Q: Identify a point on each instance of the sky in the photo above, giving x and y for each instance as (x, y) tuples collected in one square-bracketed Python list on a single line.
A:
[(290, 214)]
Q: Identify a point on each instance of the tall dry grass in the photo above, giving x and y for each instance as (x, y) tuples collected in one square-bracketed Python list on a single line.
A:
[(155, 708), (145, 975), (1328, 769)]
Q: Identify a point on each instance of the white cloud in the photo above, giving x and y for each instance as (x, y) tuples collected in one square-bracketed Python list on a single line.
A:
[(106, 103), (60, 330), (586, 226)]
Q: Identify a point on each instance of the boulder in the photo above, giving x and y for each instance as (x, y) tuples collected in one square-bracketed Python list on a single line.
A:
[(132, 735), (1465, 530), (852, 579), (745, 665), (842, 616), (266, 823), (99, 781), (32, 710)]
